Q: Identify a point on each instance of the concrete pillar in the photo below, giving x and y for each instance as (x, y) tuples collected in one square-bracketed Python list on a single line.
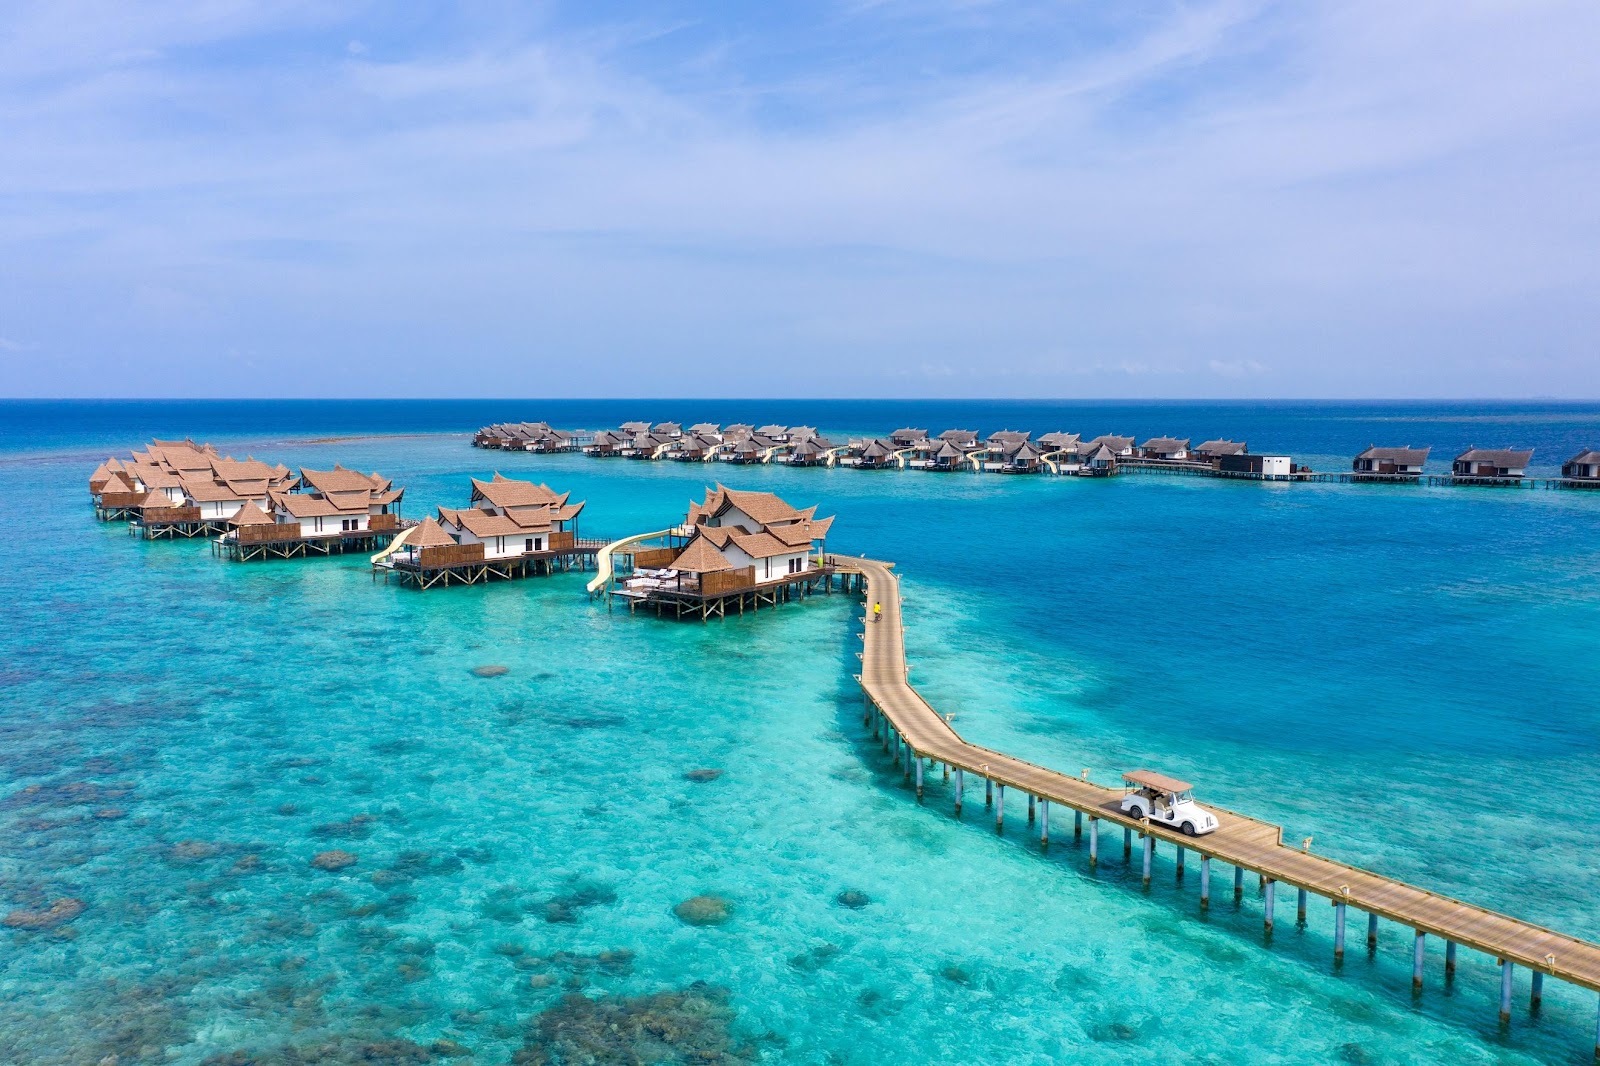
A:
[(1536, 997), (1044, 823), (988, 792), (1077, 825), (1339, 908), (1416, 960), (1094, 843), (1597, 1035), (1449, 959), (1030, 808), (1238, 883), (960, 782), (1372, 930), (1127, 843), (1000, 809), (1300, 908), (1269, 894), (1180, 862), (1149, 853), (919, 779), (1505, 991), (947, 771)]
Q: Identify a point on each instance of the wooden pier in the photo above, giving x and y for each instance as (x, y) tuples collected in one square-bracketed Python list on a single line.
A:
[(466, 564), (916, 733)]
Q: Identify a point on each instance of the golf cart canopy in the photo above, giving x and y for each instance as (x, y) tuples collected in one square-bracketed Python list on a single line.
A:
[(1159, 782)]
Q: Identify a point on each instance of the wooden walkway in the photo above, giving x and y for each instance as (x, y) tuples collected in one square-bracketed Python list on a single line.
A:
[(921, 733)]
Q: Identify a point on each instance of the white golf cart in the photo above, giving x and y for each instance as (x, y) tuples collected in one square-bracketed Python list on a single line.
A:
[(1166, 801)]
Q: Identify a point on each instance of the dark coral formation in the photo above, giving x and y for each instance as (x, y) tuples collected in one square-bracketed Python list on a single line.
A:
[(691, 1026)]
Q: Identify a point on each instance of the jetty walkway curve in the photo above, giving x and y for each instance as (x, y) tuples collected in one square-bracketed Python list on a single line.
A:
[(916, 732)]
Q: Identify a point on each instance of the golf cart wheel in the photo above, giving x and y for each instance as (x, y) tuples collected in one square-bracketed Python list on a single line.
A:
[(1188, 829)]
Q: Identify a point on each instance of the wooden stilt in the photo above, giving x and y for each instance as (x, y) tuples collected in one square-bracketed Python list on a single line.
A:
[(1505, 991)]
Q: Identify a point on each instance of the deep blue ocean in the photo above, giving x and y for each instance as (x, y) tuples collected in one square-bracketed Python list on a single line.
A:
[(1406, 674)]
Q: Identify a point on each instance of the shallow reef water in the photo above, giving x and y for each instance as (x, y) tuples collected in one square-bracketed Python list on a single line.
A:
[(517, 791)]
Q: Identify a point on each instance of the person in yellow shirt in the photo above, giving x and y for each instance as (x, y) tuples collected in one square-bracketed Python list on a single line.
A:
[(877, 612)]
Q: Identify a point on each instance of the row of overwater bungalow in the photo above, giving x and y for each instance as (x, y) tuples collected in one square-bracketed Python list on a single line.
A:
[(172, 489), (1014, 452)]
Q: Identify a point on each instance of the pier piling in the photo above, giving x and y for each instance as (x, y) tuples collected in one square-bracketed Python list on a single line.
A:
[(1505, 991), (1238, 883), (1269, 895), (1044, 823), (1372, 931), (1300, 908), (1030, 808), (1149, 853), (1000, 809), (1094, 859), (1180, 862), (1077, 825), (960, 782), (919, 780), (1449, 959), (1416, 960), (1339, 908), (1127, 843), (1536, 994)]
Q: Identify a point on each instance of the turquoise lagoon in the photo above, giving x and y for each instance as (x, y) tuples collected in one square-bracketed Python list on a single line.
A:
[(1407, 675)]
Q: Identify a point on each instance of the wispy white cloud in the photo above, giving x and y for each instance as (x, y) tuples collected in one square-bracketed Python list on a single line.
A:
[(1194, 191)]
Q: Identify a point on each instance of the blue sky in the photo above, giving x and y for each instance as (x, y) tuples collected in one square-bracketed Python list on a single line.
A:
[(853, 198)]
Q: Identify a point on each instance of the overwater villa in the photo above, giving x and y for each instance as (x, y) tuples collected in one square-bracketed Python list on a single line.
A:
[(1165, 449), (1021, 457), (1491, 466), (740, 549), (694, 446), (873, 453), (647, 444), (1119, 447), (511, 528), (1216, 449), (330, 511), (1582, 470), (1389, 464), (775, 433), (606, 443), (811, 451)]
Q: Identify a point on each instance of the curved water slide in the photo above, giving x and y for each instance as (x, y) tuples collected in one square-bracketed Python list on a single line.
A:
[(833, 455), (900, 457), (1055, 465), (977, 457), (604, 568), (397, 542)]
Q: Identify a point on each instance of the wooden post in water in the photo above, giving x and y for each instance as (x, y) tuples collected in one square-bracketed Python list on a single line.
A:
[(1238, 883), (1205, 882), (1372, 930), (1449, 959), (1044, 823), (1149, 853), (1270, 890), (1339, 907), (1416, 961), (1000, 809), (1300, 910), (1094, 859), (961, 776), (1505, 991)]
